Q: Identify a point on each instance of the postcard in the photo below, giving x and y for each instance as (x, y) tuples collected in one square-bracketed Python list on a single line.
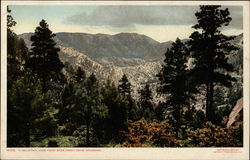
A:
[(125, 80)]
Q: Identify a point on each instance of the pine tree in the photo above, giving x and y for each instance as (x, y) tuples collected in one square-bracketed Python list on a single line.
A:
[(66, 114), (146, 94), (28, 117), (10, 21), (16, 52), (124, 86), (146, 98), (43, 59), (116, 111), (80, 75), (89, 105), (70, 113), (22, 53), (124, 89), (210, 49), (173, 81)]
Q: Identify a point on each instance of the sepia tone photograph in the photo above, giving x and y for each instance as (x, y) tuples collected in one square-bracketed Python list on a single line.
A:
[(124, 76)]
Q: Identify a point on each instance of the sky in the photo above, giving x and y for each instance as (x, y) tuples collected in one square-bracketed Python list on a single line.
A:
[(162, 23)]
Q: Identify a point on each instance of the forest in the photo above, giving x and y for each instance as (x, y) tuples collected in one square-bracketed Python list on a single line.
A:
[(47, 108)]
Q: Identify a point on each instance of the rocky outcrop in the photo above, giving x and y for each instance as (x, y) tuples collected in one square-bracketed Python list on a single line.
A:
[(138, 75), (236, 114)]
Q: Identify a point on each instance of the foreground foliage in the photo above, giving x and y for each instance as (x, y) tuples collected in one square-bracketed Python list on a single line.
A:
[(162, 134), (140, 133), (214, 136)]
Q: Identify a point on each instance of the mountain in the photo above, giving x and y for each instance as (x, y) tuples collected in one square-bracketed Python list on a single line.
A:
[(124, 45), (123, 49), (110, 56), (138, 74)]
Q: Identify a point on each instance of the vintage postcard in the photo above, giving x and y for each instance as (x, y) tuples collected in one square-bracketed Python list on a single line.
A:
[(125, 80)]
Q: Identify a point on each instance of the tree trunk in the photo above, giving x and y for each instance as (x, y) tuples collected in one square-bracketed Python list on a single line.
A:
[(211, 99), (178, 118), (207, 102)]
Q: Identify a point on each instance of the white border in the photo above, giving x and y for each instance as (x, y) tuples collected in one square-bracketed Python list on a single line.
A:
[(129, 153)]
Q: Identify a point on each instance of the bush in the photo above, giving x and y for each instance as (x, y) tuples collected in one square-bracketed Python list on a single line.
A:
[(143, 134), (212, 136)]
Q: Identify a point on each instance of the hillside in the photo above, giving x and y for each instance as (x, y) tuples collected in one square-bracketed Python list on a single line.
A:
[(123, 49), (111, 56)]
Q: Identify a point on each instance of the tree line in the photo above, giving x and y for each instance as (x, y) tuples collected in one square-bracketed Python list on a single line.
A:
[(47, 108)]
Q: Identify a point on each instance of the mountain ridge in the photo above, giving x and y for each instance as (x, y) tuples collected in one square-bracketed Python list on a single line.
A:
[(138, 70), (122, 45)]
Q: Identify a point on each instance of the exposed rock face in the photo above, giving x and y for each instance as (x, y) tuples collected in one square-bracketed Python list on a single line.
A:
[(137, 75), (236, 114), (110, 56)]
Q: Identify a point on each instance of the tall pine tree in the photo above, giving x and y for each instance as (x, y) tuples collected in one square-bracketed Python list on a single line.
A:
[(124, 89), (173, 81), (116, 111), (43, 58), (28, 117), (90, 106), (17, 52), (146, 103), (210, 48), (124, 86)]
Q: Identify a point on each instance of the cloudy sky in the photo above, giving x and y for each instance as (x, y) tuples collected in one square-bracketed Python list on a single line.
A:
[(161, 23)]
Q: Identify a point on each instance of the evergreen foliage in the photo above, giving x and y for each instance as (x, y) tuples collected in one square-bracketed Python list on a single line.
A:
[(80, 75), (27, 116), (146, 103), (43, 58), (174, 82), (116, 111), (131, 107), (91, 104), (82, 107), (210, 49), (17, 52), (10, 21), (124, 86)]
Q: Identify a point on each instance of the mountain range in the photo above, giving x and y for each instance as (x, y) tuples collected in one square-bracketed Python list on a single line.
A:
[(123, 49), (110, 56)]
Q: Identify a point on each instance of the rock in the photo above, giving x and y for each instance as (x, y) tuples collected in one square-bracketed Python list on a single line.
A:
[(236, 114)]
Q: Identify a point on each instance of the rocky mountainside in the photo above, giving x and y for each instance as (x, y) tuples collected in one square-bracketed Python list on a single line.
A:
[(123, 49), (137, 74), (111, 56)]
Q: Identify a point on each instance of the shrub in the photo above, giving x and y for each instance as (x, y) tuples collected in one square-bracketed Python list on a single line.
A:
[(212, 136), (143, 134)]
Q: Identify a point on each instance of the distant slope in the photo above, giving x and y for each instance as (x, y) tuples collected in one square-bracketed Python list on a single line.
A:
[(137, 75), (124, 49), (124, 45), (111, 56)]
